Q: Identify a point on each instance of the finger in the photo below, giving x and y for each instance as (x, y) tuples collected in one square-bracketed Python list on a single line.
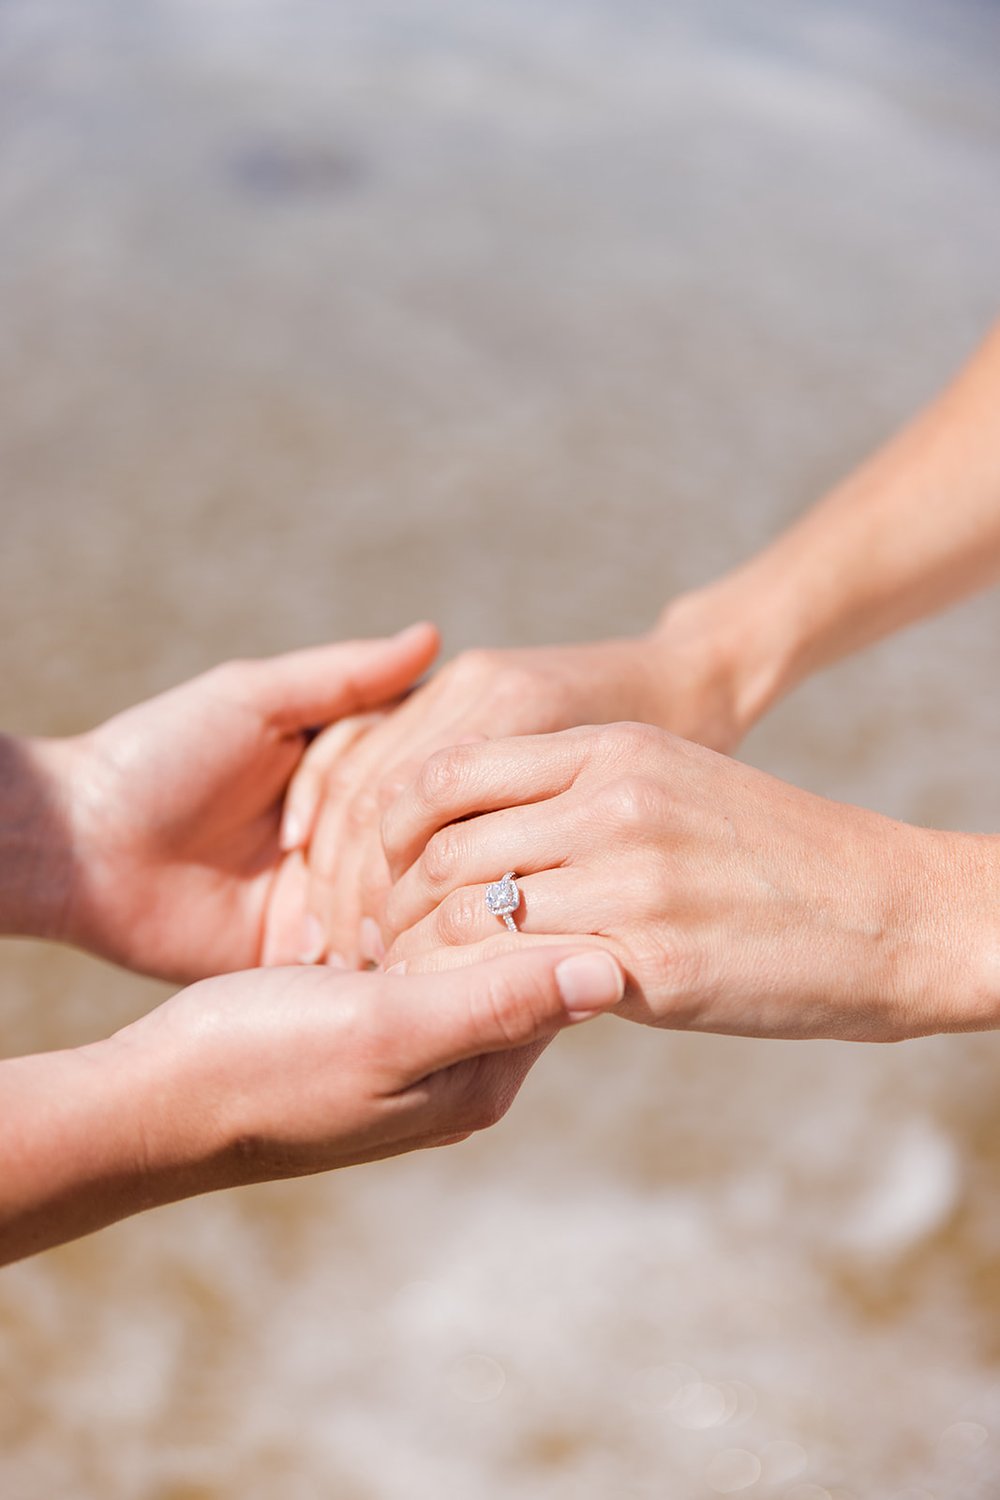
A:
[(374, 887), (305, 793), (374, 879), (332, 897), (478, 778), (541, 836), (346, 826), (347, 839), (556, 902), (305, 688), (350, 876), (282, 937), (467, 956), (473, 1095), (430, 1022)]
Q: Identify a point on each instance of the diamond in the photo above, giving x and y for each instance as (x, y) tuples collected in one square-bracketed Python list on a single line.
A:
[(503, 896)]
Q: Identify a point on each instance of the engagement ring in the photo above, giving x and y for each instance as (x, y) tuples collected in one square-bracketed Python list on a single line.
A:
[(503, 897)]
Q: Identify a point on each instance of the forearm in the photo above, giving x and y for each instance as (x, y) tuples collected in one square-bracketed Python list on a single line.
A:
[(35, 852), (915, 529), (91, 1136)]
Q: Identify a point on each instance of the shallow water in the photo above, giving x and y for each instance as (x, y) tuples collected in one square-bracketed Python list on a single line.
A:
[(315, 318)]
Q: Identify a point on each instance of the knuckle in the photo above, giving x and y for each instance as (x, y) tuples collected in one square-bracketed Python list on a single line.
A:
[(333, 782), (626, 743), (441, 857), (472, 666), (458, 918), (441, 776), (389, 791), (361, 812), (508, 1011), (633, 803), (639, 735), (516, 682)]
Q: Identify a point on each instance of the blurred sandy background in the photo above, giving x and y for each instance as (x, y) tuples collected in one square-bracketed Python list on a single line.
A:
[(316, 317)]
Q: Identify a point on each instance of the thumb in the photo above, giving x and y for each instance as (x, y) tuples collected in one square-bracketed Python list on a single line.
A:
[(303, 689), (435, 1020)]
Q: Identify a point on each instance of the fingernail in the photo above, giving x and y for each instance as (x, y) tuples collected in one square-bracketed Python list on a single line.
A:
[(399, 968), (408, 630), (313, 941), (589, 983), (291, 831), (334, 961), (370, 941)]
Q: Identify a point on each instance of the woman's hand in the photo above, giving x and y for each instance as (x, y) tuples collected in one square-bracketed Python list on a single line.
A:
[(275, 1073), (680, 676), (736, 903), (170, 812)]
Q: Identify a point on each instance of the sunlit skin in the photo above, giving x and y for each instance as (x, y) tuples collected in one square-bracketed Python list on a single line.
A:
[(275, 1073), (736, 903), (350, 775), (914, 529), (153, 840)]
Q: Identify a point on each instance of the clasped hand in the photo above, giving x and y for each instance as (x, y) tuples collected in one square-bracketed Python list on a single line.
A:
[(154, 841), (735, 903), (673, 676)]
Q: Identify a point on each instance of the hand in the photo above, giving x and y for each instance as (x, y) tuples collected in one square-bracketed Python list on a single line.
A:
[(276, 1073), (301, 1070), (734, 902), (677, 677), (172, 809)]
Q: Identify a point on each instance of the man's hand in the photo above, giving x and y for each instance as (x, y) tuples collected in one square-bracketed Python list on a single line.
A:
[(275, 1073), (171, 810)]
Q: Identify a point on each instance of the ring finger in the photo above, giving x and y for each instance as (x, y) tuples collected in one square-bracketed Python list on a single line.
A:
[(478, 851), (555, 903)]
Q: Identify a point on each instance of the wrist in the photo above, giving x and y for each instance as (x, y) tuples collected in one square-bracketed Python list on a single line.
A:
[(721, 660), (953, 974), (36, 842), (164, 1067), (94, 1135)]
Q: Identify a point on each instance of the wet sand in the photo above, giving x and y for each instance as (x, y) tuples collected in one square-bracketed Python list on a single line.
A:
[(318, 318)]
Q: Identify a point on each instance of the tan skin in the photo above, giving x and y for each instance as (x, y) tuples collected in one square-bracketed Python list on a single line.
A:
[(153, 840), (819, 920), (350, 775), (275, 1073), (734, 902), (914, 529)]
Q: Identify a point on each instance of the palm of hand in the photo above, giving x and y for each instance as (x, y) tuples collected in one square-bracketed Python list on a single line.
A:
[(177, 804)]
